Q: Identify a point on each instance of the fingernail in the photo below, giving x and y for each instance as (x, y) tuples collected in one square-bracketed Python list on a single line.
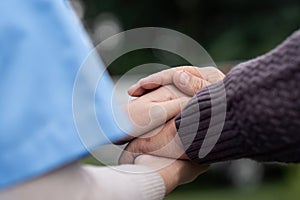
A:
[(184, 78)]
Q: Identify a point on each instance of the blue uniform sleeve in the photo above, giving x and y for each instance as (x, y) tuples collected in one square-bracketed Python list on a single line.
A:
[(42, 47)]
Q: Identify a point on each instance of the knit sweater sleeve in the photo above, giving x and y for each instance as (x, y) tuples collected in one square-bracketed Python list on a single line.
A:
[(253, 113)]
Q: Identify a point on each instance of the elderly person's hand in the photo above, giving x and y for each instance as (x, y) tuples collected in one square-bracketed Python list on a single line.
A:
[(187, 79)]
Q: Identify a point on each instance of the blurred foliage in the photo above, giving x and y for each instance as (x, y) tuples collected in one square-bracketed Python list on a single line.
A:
[(268, 191), (293, 180), (228, 29), (139, 57)]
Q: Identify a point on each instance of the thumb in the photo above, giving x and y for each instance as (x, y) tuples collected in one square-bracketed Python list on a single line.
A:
[(189, 83)]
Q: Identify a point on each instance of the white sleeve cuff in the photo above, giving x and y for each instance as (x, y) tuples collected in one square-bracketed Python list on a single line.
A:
[(128, 182)]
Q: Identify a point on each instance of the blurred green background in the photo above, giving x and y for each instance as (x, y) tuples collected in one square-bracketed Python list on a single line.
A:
[(231, 31)]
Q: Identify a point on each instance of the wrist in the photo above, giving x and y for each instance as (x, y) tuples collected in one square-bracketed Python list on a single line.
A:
[(171, 176)]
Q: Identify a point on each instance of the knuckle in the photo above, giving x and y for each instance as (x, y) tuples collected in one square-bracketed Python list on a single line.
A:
[(171, 92), (138, 146), (157, 112), (197, 85)]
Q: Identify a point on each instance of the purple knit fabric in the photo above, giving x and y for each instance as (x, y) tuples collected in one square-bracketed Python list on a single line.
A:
[(262, 110)]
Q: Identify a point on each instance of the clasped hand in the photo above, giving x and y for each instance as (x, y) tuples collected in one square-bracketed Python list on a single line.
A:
[(160, 97)]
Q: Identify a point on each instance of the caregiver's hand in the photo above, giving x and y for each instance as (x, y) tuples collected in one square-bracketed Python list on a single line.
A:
[(188, 79), (155, 108), (173, 172)]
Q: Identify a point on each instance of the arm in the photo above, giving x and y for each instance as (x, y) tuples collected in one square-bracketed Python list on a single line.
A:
[(263, 110), (91, 183), (151, 178)]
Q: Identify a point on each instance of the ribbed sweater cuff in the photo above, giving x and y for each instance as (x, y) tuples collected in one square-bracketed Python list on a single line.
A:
[(206, 129), (150, 183)]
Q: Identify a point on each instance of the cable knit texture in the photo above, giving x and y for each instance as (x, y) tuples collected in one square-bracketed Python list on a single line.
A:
[(262, 119)]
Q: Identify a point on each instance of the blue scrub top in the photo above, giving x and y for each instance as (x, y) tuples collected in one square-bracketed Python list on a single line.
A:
[(42, 46)]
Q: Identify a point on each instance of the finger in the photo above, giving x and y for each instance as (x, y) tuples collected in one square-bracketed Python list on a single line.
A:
[(158, 107), (211, 74), (136, 90), (166, 143), (174, 107), (165, 93), (162, 112), (159, 113), (143, 145), (189, 83), (151, 82)]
